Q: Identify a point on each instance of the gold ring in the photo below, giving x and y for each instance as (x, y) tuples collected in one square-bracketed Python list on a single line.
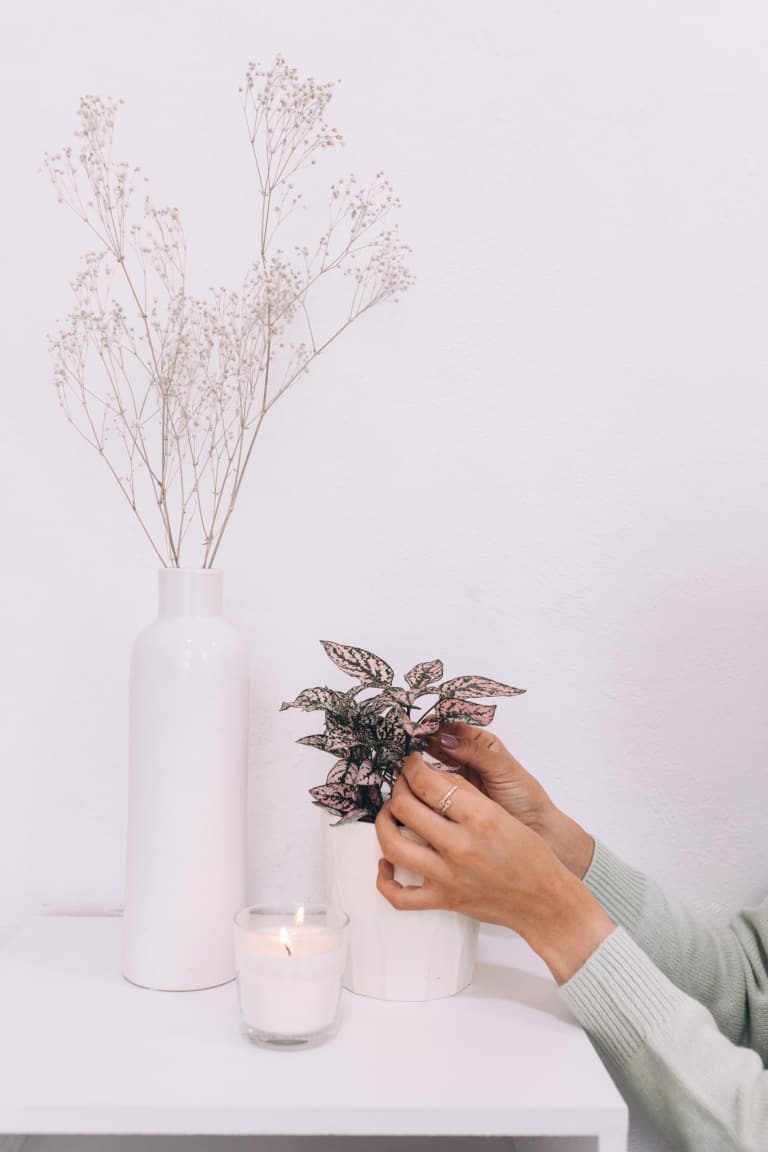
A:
[(446, 801)]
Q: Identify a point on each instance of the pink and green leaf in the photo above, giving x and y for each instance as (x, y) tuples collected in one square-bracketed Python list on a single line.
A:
[(353, 817), (313, 699), (477, 686), (339, 798), (426, 727), (428, 672), (339, 773), (337, 740), (465, 711), (318, 741), (391, 729), (374, 704), (360, 663), (365, 775), (397, 696)]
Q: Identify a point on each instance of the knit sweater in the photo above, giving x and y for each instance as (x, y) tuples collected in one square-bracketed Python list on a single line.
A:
[(679, 1006)]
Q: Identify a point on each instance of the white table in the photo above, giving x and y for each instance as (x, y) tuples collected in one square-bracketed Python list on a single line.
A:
[(82, 1051)]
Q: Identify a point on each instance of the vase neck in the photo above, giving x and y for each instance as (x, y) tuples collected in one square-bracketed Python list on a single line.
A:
[(190, 592)]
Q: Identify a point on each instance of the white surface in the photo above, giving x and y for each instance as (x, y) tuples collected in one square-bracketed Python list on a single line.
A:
[(83, 1051), (188, 742), (304, 1144), (423, 955), (547, 464)]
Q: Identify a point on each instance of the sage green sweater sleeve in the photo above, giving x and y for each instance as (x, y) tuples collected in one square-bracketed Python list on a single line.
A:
[(705, 1093), (723, 966)]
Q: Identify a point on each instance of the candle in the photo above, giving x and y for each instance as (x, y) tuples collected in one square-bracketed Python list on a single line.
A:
[(290, 963)]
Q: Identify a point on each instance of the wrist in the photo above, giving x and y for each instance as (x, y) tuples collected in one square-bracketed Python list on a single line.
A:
[(567, 925), (573, 846)]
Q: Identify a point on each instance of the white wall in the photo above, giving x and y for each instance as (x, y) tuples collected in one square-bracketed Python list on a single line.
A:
[(547, 464)]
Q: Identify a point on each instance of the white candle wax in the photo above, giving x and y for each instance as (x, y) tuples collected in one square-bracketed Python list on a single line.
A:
[(289, 993)]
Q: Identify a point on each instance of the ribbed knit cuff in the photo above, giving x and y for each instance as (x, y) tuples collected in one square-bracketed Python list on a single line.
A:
[(619, 888), (620, 997)]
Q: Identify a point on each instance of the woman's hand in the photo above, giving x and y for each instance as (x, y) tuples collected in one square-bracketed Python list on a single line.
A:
[(483, 862), (485, 762)]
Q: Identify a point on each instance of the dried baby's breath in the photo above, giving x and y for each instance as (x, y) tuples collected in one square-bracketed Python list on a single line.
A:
[(172, 388)]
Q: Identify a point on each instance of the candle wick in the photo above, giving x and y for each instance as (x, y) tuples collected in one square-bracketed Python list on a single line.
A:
[(288, 950)]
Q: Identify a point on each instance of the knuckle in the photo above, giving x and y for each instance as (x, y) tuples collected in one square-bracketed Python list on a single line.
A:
[(410, 770), (383, 814), (384, 825), (484, 820), (396, 805), (487, 743), (418, 783), (397, 899), (421, 792), (462, 850), (382, 887), (446, 900)]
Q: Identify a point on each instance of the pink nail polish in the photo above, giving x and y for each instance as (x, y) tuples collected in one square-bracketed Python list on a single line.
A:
[(448, 741)]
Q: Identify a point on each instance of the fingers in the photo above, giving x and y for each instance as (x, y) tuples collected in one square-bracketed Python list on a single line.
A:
[(430, 787), (474, 747), (399, 850), (420, 811), (405, 897)]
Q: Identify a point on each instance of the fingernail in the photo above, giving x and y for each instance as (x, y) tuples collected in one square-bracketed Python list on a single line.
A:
[(448, 741)]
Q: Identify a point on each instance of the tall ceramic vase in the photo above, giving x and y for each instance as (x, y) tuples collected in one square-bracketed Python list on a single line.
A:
[(188, 752)]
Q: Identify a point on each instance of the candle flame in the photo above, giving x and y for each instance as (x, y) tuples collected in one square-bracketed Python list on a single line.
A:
[(300, 915), (285, 940)]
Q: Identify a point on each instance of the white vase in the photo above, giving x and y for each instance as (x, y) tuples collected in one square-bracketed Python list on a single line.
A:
[(188, 756), (393, 955)]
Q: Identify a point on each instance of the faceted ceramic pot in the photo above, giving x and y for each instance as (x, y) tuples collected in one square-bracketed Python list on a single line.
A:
[(393, 955)]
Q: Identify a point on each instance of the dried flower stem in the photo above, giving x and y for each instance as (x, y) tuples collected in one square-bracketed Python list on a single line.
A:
[(172, 390)]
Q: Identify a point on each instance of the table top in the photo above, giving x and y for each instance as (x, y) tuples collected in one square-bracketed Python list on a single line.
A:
[(81, 1050)]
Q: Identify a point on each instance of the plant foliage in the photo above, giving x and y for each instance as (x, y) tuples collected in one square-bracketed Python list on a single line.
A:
[(370, 735)]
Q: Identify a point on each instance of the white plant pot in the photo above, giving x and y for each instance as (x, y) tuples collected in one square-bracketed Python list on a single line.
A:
[(188, 757), (393, 955)]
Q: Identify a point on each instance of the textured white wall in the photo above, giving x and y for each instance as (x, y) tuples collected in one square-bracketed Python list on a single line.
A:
[(547, 464)]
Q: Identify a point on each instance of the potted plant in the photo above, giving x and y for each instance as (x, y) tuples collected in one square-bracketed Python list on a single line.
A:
[(370, 729)]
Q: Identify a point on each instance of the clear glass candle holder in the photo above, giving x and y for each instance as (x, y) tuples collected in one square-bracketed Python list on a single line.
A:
[(290, 962)]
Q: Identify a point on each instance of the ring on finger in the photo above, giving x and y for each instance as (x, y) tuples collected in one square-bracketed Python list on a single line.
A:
[(446, 801)]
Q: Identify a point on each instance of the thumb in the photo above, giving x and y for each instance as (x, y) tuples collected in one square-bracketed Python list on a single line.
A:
[(467, 746)]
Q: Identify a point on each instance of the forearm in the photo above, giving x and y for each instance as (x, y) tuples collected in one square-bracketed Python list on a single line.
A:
[(573, 846), (722, 966), (704, 1093), (564, 924)]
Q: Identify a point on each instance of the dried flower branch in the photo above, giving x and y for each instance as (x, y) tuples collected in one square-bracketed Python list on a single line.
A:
[(172, 389), (372, 736)]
